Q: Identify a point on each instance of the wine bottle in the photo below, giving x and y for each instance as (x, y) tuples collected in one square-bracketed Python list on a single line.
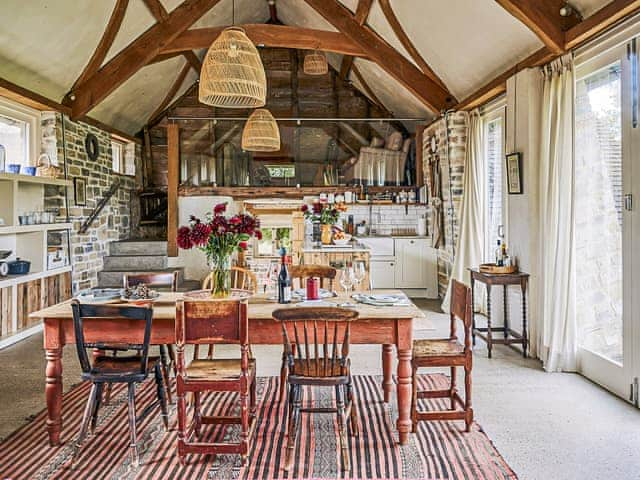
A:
[(284, 279), (499, 261)]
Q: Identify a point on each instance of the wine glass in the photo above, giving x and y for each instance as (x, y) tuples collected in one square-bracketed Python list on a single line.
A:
[(347, 279), (359, 272)]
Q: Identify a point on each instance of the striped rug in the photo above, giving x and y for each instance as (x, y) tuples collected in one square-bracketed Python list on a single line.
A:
[(440, 450)]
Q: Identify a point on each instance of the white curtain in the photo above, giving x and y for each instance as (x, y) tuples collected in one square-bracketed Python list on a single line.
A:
[(556, 299), (470, 245)]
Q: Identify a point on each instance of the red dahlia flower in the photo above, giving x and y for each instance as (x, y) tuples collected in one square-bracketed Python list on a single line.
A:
[(200, 234), (184, 238), (219, 208)]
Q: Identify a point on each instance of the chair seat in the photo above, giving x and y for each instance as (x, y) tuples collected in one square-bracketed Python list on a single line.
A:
[(218, 369), (316, 368), (441, 347), (123, 366)]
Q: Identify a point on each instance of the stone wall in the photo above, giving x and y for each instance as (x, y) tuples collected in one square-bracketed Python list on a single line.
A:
[(451, 135), (115, 220)]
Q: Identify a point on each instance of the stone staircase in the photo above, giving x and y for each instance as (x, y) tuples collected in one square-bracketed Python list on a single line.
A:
[(138, 256)]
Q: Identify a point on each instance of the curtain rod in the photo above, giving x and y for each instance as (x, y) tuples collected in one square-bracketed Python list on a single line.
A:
[(303, 119)]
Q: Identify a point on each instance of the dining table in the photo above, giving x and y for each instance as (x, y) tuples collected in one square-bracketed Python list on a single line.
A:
[(388, 326)]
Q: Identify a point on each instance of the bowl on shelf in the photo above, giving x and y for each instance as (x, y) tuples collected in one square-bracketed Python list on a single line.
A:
[(13, 168), (29, 171), (19, 267), (345, 239)]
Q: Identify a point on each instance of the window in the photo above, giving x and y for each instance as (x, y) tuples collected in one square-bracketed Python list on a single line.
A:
[(281, 171), (19, 133), (494, 187), (123, 156)]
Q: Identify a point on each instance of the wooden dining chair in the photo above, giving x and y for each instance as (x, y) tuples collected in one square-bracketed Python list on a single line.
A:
[(167, 281), (326, 275), (242, 279), (447, 352), (209, 322), (321, 339), (88, 323)]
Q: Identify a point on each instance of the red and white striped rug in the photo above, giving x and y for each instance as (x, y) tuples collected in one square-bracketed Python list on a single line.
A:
[(440, 450)]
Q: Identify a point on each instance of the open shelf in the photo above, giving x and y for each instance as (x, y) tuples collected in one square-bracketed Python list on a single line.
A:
[(41, 227), (16, 177), (11, 280)]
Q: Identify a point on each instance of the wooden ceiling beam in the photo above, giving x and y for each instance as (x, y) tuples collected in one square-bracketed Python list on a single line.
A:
[(362, 12), (193, 61), (432, 95), (597, 23), (136, 55), (543, 20), (269, 36), (109, 35), (393, 21)]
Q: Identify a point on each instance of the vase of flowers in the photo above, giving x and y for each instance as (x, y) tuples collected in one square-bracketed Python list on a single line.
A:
[(325, 214), (219, 237)]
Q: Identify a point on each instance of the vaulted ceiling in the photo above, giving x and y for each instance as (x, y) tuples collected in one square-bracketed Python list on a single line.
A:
[(49, 45)]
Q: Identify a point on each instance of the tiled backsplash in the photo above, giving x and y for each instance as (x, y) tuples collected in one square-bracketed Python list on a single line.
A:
[(390, 219)]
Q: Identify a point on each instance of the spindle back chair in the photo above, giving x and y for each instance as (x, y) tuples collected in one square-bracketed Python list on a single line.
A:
[(325, 273)]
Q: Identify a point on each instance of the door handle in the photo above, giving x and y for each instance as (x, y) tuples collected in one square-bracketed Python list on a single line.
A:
[(628, 202)]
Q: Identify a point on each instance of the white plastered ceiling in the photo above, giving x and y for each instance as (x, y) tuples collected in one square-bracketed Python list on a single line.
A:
[(45, 44)]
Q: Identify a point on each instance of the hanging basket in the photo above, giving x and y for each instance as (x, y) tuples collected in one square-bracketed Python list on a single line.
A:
[(45, 168), (261, 133), (315, 64), (232, 74)]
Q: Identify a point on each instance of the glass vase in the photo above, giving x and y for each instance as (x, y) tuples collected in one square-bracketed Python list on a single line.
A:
[(220, 277)]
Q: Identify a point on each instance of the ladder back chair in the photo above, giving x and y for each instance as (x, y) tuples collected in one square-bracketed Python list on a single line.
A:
[(242, 279), (327, 275), (210, 322), (169, 281), (88, 323), (320, 358), (447, 352)]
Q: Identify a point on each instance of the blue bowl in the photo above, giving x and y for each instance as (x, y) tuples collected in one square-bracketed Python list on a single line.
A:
[(13, 168), (29, 171)]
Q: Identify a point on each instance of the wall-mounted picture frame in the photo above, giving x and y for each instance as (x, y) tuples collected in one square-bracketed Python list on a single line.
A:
[(80, 191), (514, 173)]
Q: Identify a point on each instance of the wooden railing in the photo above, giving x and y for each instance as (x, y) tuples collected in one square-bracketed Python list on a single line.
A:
[(101, 204)]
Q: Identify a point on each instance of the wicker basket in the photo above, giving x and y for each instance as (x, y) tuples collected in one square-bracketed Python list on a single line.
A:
[(45, 169), (493, 268)]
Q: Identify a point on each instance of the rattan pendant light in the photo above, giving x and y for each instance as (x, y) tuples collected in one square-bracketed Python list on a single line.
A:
[(232, 74), (315, 64), (261, 133)]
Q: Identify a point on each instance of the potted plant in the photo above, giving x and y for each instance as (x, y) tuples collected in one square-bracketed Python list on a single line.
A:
[(218, 237), (326, 215)]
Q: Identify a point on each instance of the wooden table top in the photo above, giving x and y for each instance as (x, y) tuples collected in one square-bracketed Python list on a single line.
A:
[(260, 307)]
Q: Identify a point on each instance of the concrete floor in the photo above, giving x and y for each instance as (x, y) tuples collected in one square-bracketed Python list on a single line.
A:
[(547, 426)]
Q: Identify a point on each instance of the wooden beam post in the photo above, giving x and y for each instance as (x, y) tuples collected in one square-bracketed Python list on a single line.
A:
[(362, 12), (419, 159), (432, 95), (173, 159)]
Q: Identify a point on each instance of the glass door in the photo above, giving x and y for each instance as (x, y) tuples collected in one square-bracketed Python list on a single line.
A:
[(604, 136)]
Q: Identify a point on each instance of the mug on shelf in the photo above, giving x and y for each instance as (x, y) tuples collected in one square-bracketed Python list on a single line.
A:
[(13, 168)]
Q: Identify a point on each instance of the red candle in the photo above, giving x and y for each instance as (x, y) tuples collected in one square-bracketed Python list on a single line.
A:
[(313, 288)]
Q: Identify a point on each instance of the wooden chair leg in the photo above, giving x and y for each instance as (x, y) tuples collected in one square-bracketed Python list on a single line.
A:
[(244, 426), (355, 429), (161, 395), (197, 416), (96, 408), (452, 390), (131, 401), (294, 420), (414, 398), (165, 370), (342, 430), (283, 377), (467, 398), (107, 393), (182, 426), (86, 417), (253, 398)]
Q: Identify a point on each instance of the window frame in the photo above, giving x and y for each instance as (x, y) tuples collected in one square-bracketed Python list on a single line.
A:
[(32, 118), (124, 146), (497, 111)]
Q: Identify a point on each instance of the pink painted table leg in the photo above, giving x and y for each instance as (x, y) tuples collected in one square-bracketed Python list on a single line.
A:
[(387, 371), (53, 394)]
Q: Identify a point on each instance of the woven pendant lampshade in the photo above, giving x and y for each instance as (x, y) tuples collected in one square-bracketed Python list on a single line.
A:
[(232, 74), (315, 64), (261, 133)]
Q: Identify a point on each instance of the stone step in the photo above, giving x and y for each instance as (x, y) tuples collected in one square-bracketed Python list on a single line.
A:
[(113, 279), (138, 247), (121, 263)]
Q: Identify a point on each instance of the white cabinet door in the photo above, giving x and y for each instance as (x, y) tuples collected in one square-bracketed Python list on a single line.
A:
[(416, 264), (382, 274)]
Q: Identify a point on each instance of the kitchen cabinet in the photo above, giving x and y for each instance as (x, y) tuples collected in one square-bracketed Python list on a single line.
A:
[(382, 274), (415, 265)]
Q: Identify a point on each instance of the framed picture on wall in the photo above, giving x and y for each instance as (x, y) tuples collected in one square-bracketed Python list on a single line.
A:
[(80, 191), (514, 174)]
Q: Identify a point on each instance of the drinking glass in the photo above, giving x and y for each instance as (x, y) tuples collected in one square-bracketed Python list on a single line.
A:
[(347, 279), (359, 272)]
